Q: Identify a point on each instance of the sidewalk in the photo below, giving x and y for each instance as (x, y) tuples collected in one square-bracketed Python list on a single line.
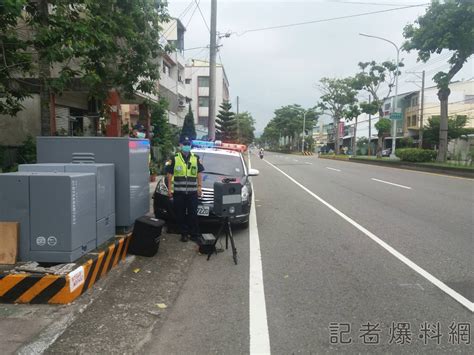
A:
[(31, 329)]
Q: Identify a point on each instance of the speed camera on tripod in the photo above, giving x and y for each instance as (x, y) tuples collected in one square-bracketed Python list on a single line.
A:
[(227, 198)]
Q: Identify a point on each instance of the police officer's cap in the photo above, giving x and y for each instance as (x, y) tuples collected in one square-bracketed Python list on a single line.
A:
[(186, 141)]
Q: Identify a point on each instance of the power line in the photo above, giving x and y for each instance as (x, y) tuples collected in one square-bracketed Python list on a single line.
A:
[(202, 16), (194, 11), (366, 3), (327, 20), (185, 11), (436, 60)]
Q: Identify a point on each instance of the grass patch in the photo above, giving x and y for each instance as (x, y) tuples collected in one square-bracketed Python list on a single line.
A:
[(334, 156)]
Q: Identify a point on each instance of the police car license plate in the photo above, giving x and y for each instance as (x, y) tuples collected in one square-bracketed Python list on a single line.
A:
[(203, 211)]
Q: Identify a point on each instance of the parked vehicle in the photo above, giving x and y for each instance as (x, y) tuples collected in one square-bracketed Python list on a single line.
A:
[(218, 164), (386, 152)]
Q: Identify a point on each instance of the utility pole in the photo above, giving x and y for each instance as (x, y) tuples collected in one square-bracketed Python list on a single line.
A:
[(420, 134), (212, 72), (238, 124), (370, 131), (302, 139), (44, 74)]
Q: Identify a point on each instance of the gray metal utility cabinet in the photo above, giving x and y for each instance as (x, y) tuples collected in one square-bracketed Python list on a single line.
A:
[(56, 211), (105, 188), (130, 157)]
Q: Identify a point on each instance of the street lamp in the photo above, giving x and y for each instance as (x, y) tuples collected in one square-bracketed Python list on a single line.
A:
[(394, 121), (304, 129)]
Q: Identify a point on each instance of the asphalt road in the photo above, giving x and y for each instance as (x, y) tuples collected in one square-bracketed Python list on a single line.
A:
[(323, 274)]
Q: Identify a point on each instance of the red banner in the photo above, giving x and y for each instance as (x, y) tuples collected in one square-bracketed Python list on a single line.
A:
[(341, 129)]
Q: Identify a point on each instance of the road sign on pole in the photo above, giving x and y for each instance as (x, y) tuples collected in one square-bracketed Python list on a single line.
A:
[(396, 116)]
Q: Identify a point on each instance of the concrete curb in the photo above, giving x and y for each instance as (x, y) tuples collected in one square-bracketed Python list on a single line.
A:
[(63, 289), (460, 172)]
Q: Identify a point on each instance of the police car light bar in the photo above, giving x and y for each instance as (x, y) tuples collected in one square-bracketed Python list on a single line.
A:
[(218, 144), (202, 144)]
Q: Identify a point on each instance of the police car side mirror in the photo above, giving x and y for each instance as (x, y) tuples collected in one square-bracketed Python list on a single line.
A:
[(253, 172)]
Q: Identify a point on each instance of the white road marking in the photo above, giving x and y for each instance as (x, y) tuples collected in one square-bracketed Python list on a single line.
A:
[(295, 160), (391, 183), (308, 163), (332, 168), (441, 285), (258, 324)]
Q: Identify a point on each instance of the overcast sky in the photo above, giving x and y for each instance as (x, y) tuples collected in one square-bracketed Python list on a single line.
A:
[(272, 68)]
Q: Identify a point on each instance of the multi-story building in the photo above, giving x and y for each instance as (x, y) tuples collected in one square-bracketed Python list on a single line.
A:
[(461, 102), (171, 85), (197, 80), (173, 68)]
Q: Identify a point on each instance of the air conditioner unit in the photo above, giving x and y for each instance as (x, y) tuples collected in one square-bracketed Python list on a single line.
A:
[(181, 103)]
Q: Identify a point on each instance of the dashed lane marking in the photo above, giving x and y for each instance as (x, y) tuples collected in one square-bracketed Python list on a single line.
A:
[(438, 283), (391, 183)]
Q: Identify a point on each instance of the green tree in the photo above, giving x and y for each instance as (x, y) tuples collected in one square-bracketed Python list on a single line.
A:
[(383, 127), (163, 135), (375, 78), (456, 129), (226, 123), (188, 130), (447, 25), (246, 128), (14, 59), (352, 113), (337, 96), (289, 122), (96, 45)]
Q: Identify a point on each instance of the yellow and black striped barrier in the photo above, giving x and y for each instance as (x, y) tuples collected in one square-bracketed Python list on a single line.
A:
[(62, 289), (308, 153)]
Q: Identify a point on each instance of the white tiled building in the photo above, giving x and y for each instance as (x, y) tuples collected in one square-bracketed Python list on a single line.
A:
[(172, 81), (197, 82)]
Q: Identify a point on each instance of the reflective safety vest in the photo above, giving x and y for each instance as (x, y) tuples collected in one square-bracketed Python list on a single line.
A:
[(185, 174)]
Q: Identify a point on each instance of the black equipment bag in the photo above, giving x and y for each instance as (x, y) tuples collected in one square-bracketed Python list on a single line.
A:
[(206, 243), (146, 236)]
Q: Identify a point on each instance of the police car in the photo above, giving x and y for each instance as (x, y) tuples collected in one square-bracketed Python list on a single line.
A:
[(220, 161)]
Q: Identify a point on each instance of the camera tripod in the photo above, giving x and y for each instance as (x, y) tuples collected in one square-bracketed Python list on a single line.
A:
[(227, 229)]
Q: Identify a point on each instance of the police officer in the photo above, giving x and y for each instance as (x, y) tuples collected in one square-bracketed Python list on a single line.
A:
[(185, 181)]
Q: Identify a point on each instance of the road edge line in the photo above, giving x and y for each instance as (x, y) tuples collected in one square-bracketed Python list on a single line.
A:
[(438, 283), (258, 323)]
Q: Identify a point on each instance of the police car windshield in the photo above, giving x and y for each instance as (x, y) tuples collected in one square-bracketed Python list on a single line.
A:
[(220, 164)]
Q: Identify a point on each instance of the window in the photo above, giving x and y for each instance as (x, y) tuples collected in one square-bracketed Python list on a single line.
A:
[(187, 81), (387, 107), (414, 101), (203, 101), (166, 68), (223, 165), (203, 81)]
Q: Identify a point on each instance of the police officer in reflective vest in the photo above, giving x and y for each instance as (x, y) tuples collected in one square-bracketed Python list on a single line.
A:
[(185, 181)]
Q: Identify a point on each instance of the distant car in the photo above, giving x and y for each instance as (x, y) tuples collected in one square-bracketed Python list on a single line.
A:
[(218, 164), (386, 152)]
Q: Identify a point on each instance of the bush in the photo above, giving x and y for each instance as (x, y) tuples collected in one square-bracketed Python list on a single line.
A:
[(416, 155), (27, 152)]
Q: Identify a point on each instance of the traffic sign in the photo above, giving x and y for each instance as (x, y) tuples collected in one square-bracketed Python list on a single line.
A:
[(396, 116)]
